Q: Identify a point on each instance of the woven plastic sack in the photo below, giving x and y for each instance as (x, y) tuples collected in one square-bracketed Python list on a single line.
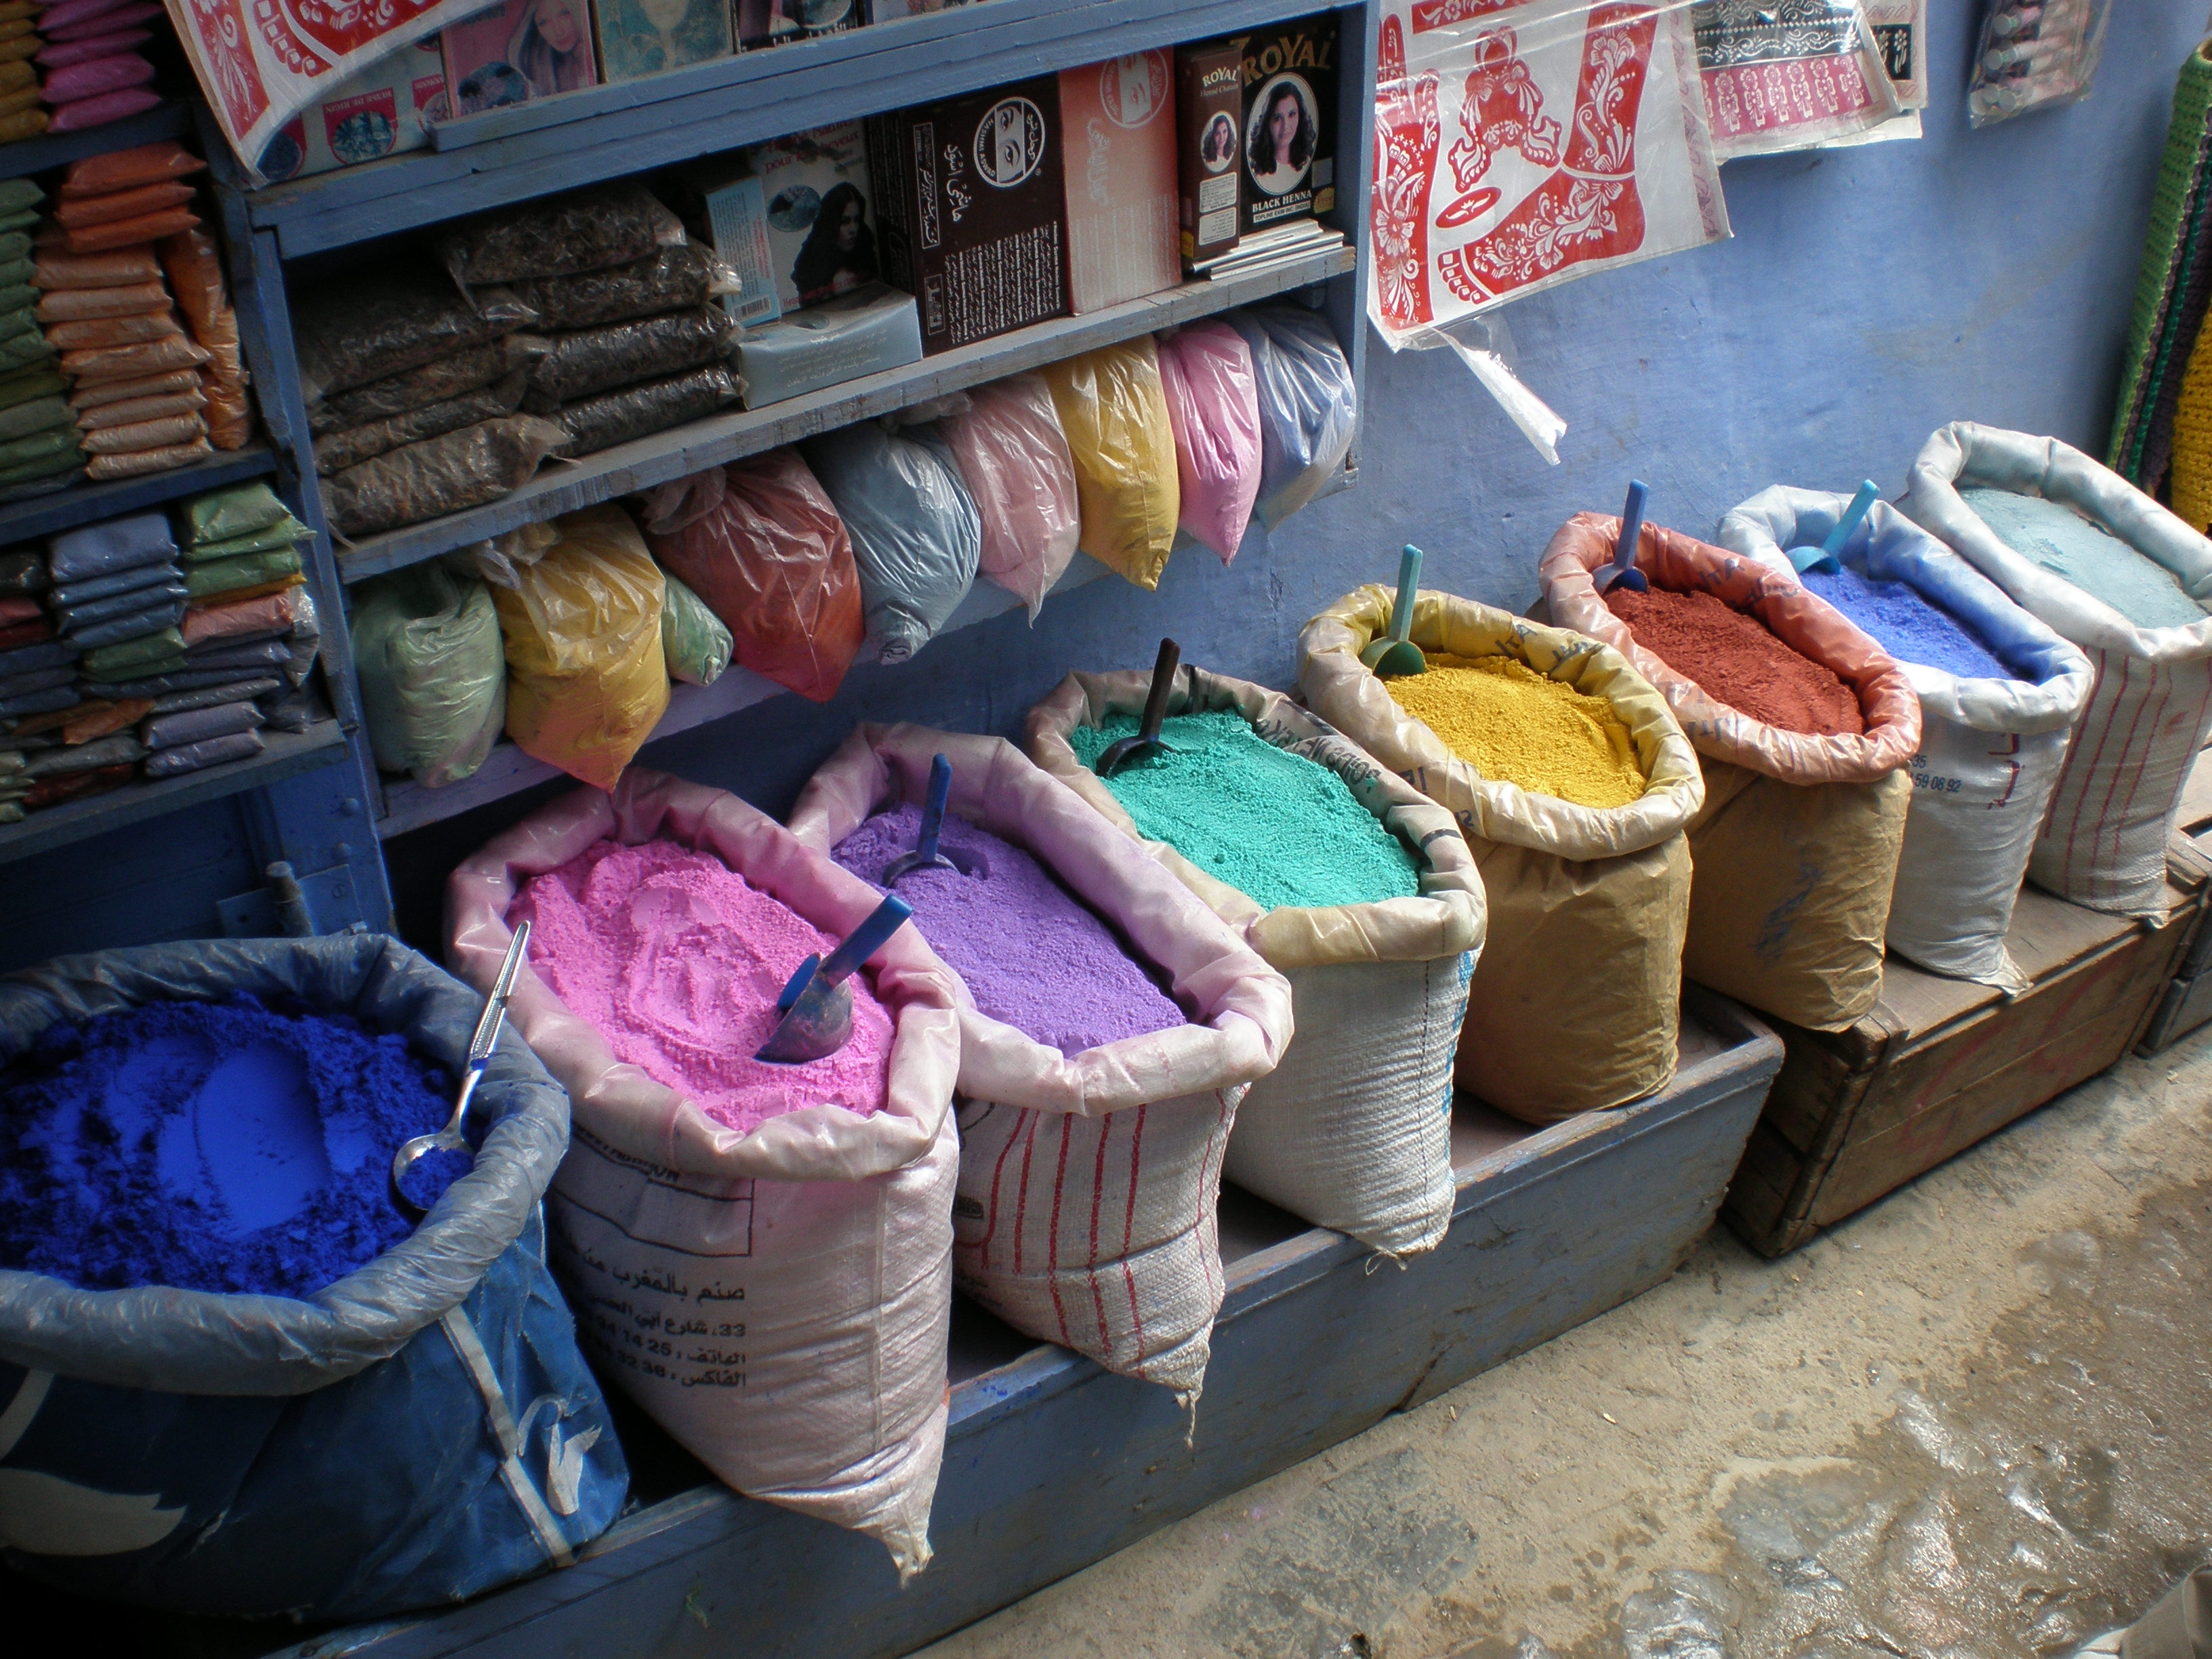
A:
[(422, 1430), (587, 680), (2103, 844), (1352, 1128), (1576, 1003), (1214, 408), (1108, 1244), (1115, 417), (916, 536), (1796, 848), (1013, 457), (426, 644), (830, 1235), (692, 637), (759, 541), (1989, 749), (1309, 404)]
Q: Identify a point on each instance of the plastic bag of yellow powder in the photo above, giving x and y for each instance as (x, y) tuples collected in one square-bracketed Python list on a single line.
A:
[(1112, 406), (587, 679), (1511, 722)]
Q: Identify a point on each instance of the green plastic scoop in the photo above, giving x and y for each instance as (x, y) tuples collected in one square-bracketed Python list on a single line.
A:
[(1395, 655)]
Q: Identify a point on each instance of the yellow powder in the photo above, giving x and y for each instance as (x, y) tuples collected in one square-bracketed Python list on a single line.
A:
[(1513, 724)]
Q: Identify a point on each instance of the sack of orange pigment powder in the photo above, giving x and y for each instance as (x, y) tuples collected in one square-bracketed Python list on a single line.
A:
[(1352, 1129), (777, 1300), (1096, 1232), (1576, 1003), (1796, 848)]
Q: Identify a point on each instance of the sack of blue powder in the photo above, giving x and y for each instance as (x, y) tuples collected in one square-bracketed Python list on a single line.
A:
[(1346, 879), (1999, 695), (2109, 570), (1109, 1013), (214, 1122), (916, 534), (1309, 404)]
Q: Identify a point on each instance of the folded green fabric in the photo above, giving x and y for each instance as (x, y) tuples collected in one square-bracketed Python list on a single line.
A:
[(226, 575), (225, 515), (23, 490), (18, 296), (26, 384), (23, 350), (40, 414), (46, 467), (17, 220), (57, 441), (18, 272), (13, 323), (17, 194), (14, 245), (284, 533), (109, 662)]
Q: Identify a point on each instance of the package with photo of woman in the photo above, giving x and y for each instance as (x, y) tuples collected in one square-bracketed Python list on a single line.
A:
[(772, 22), (1290, 123), (821, 216), (644, 37), (517, 50)]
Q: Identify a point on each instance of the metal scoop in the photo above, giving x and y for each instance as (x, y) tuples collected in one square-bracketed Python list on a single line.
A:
[(924, 855), (1146, 743), (1623, 568), (817, 1004), (1394, 654), (450, 1138), (1823, 557)]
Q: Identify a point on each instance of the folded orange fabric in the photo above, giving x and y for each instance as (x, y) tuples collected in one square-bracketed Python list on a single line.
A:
[(101, 468), (141, 436), (113, 331), (128, 361), (76, 212), (141, 409), (94, 393), (71, 305), (128, 169), (119, 268), (122, 233)]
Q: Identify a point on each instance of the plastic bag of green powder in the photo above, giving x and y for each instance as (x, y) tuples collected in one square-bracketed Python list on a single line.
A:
[(692, 637), (432, 672), (221, 514)]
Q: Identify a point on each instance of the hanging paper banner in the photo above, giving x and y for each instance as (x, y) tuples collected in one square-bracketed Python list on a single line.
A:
[(1521, 145), (1789, 74)]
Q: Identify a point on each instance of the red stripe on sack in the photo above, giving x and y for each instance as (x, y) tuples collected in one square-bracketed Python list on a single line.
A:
[(2066, 777), (1212, 1184), (1052, 1243), (1097, 1207), (1129, 1233), (2117, 820), (991, 1222), (1022, 1204)]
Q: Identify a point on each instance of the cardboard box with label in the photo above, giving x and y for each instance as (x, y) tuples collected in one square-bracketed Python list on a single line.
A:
[(795, 218), (386, 110), (518, 51), (1290, 123), (1210, 124), (776, 23), (1118, 163), (863, 332)]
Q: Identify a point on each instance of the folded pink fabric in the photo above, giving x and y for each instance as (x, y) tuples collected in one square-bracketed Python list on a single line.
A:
[(96, 79), (124, 17), (83, 52), (99, 111)]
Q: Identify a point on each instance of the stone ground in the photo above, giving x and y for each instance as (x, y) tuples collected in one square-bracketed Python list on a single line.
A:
[(1975, 1420)]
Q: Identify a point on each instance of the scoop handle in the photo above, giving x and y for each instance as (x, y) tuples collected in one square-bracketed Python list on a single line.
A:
[(1156, 700), (932, 811), (864, 941), (1409, 589), (1632, 526), (495, 1010), (1861, 504)]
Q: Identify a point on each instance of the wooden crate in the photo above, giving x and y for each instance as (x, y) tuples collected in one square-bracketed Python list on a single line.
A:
[(1051, 1463), (1940, 1064), (2187, 1003)]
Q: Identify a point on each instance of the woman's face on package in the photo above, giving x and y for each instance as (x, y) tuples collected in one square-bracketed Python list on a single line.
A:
[(556, 21), (1282, 124), (848, 227)]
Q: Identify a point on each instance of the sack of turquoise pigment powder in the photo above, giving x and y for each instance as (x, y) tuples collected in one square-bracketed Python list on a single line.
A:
[(2110, 571), (1142, 1117), (819, 1242), (1999, 694), (328, 1453), (1346, 880)]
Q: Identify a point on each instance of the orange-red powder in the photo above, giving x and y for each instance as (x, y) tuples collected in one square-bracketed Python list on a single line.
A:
[(1736, 660)]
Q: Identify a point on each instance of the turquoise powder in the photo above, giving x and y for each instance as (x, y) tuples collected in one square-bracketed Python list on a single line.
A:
[(1271, 824), (2086, 555)]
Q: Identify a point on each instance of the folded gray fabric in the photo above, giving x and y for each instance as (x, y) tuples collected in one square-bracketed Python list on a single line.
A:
[(266, 653), (73, 618), (117, 750), (123, 582), (193, 725), (152, 620), (44, 654), (41, 702), (207, 696), (100, 549), (157, 685), (211, 751), (39, 679)]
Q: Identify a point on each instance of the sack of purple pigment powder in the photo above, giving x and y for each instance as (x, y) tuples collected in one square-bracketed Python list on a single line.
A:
[(1108, 1015), (1352, 1129), (787, 1229), (201, 1276)]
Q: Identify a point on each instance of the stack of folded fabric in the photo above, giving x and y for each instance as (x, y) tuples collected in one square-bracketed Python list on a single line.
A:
[(39, 449), (20, 116), (195, 269), (95, 71)]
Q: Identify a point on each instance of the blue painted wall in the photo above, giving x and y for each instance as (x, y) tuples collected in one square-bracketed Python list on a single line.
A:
[(1869, 296)]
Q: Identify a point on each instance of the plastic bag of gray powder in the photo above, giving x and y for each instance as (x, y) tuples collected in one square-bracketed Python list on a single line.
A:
[(587, 230), (595, 359), (351, 333), (917, 537), (447, 474), (335, 451), (438, 382), (673, 279), (1309, 404), (616, 418)]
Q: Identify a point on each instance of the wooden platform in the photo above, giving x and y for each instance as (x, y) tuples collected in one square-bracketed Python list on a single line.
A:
[(1051, 1463), (1940, 1064), (2187, 1004)]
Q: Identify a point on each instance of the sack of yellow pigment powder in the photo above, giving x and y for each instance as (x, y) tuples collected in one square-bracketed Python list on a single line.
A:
[(1089, 1169), (1571, 784), (1798, 842), (1346, 880)]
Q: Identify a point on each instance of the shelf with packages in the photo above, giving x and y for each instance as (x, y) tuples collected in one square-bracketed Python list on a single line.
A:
[(54, 149), (503, 156), (64, 510), (288, 755), (562, 486)]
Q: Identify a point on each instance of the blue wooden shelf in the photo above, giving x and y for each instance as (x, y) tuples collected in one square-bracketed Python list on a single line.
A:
[(288, 753), (561, 486), (54, 149), (504, 156), (43, 515)]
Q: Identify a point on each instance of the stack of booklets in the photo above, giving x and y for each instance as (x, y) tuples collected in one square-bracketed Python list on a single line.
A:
[(1265, 250)]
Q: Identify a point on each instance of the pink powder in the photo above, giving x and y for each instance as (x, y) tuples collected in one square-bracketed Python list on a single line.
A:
[(677, 960)]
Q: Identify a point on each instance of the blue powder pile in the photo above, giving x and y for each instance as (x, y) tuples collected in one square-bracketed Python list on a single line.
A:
[(1908, 626), (2086, 555), (221, 1147)]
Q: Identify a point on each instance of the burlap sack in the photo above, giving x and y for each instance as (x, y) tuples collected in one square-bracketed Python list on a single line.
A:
[(1576, 1003), (1088, 1183), (778, 1301), (1352, 1129), (1796, 845)]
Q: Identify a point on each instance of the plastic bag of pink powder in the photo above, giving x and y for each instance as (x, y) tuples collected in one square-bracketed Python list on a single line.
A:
[(1016, 461), (96, 78), (83, 52), (1213, 405), (99, 111)]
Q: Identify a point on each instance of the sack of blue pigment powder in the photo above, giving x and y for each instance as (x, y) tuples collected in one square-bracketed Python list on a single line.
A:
[(1999, 694), (1346, 879), (194, 1414), (1110, 1017), (2109, 569)]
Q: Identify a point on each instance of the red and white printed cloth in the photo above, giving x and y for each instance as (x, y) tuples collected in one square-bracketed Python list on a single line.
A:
[(1522, 143), (1789, 74)]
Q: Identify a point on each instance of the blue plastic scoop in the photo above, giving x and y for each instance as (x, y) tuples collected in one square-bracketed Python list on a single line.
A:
[(817, 1004), (1823, 557), (924, 855), (1394, 654), (1623, 568), (450, 1139)]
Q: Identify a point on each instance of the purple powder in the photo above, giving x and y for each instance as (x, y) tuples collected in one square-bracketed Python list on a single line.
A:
[(1907, 626), (1035, 956), (223, 1146)]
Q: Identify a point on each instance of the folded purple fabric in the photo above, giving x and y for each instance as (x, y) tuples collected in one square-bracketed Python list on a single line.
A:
[(210, 751), (197, 725)]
